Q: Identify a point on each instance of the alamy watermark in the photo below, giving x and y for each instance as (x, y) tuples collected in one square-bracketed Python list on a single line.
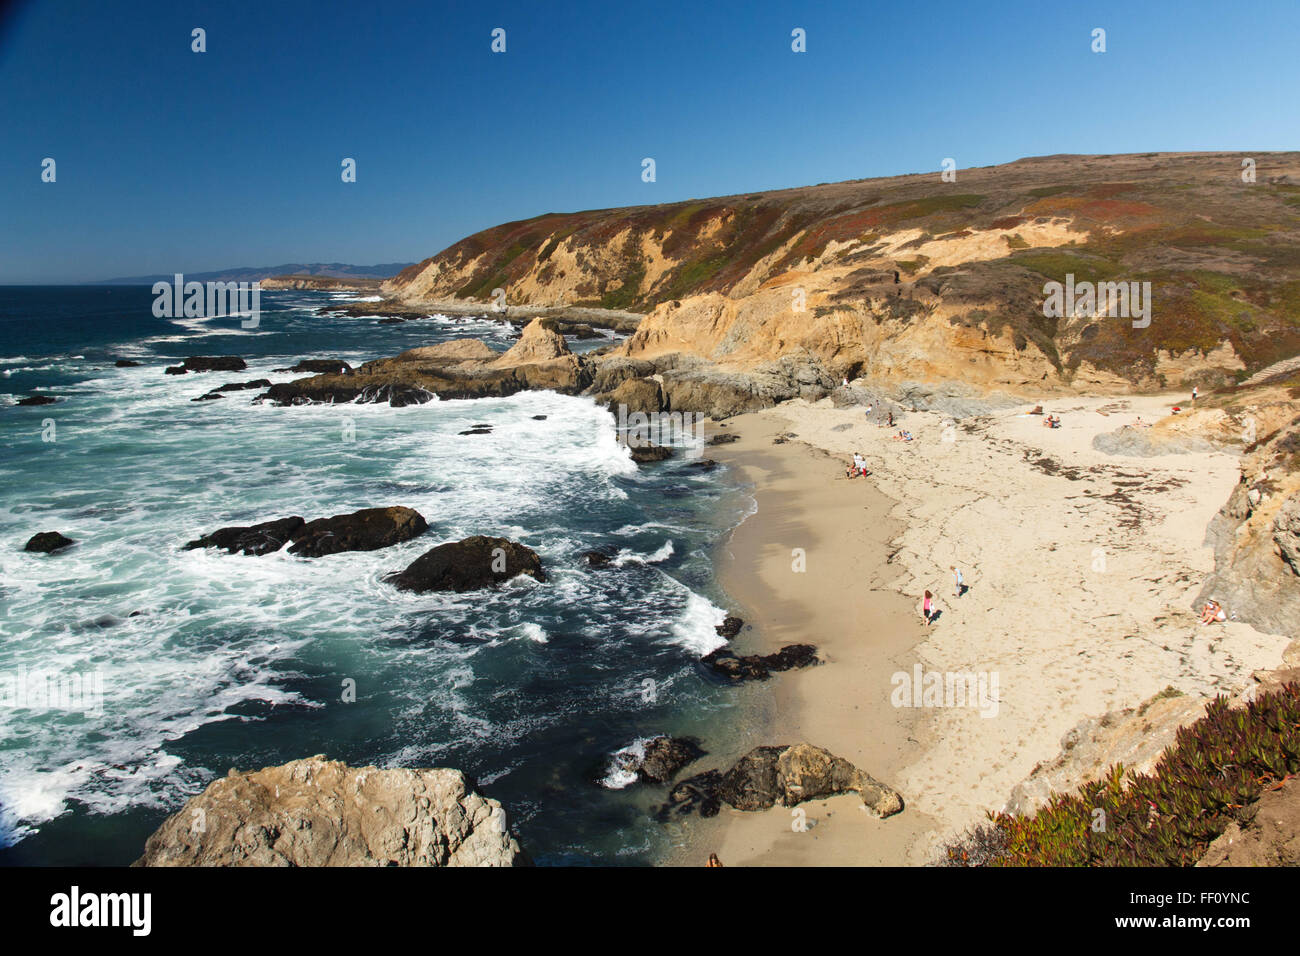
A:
[(49, 690), (977, 689), (648, 429), (208, 300), (1127, 300)]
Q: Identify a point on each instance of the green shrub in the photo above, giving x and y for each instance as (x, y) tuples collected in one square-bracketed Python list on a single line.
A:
[(1214, 768)]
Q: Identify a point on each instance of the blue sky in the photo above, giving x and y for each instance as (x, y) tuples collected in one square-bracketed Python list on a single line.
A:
[(173, 161)]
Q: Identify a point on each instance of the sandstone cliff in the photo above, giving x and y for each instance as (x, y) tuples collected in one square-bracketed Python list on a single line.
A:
[(913, 279)]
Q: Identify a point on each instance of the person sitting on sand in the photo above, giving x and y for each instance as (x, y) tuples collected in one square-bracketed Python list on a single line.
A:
[(903, 435), (1213, 611), (927, 608)]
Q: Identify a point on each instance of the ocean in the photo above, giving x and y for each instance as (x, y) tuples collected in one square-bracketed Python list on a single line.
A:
[(209, 661)]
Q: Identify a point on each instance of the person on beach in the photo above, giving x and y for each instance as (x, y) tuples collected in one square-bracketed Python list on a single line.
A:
[(713, 860), (927, 608), (958, 584), (1213, 611), (1195, 392), (891, 419)]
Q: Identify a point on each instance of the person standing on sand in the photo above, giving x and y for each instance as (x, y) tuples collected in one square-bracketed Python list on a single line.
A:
[(956, 579), (927, 607), (1195, 392)]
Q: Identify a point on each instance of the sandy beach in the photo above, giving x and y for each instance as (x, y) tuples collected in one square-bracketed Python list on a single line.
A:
[(1081, 567)]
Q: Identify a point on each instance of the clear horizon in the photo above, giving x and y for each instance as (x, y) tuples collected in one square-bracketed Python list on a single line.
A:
[(172, 161)]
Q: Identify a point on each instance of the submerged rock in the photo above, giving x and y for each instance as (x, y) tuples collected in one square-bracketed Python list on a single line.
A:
[(47, 542), (37, 400), (467, 565), (318, 812), (126, 363), (768, 776)]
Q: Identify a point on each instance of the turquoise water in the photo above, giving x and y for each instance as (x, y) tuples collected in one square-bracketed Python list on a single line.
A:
[(209, 661)]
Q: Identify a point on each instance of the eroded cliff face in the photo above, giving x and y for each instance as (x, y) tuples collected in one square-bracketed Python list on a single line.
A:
[(911, 279)]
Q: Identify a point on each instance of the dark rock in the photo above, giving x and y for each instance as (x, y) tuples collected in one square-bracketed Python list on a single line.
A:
[(759, 666), (651, 453), (47, 542), (729, 665), (580, 331), (467, 565), (659, 760), (392, 320), (477, 430), (37, 400), (207, 397), (367, 530), (332, 366), (539, 418), (702, 464), (244, 386), (697, 794), (253, 539), (214, 363), (175, 370), (791, 657), (665, 756), (768, 776), (725, 438), (598, 559), (729, 627), (126, 363)]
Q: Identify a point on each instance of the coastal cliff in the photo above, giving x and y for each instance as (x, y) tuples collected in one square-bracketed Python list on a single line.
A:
[(912, 279)]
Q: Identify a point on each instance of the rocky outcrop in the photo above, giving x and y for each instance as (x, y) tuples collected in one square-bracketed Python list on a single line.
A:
[(1256, 532), (730, 627), (468, 565), (540, 360), (208, 363), (1135, 737), (1267, 835), (250, 539), (37, 400), (725, 662), (785, 776), (47, 542), (318, 812), (337, 366), (367, 530), (656, 760)]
